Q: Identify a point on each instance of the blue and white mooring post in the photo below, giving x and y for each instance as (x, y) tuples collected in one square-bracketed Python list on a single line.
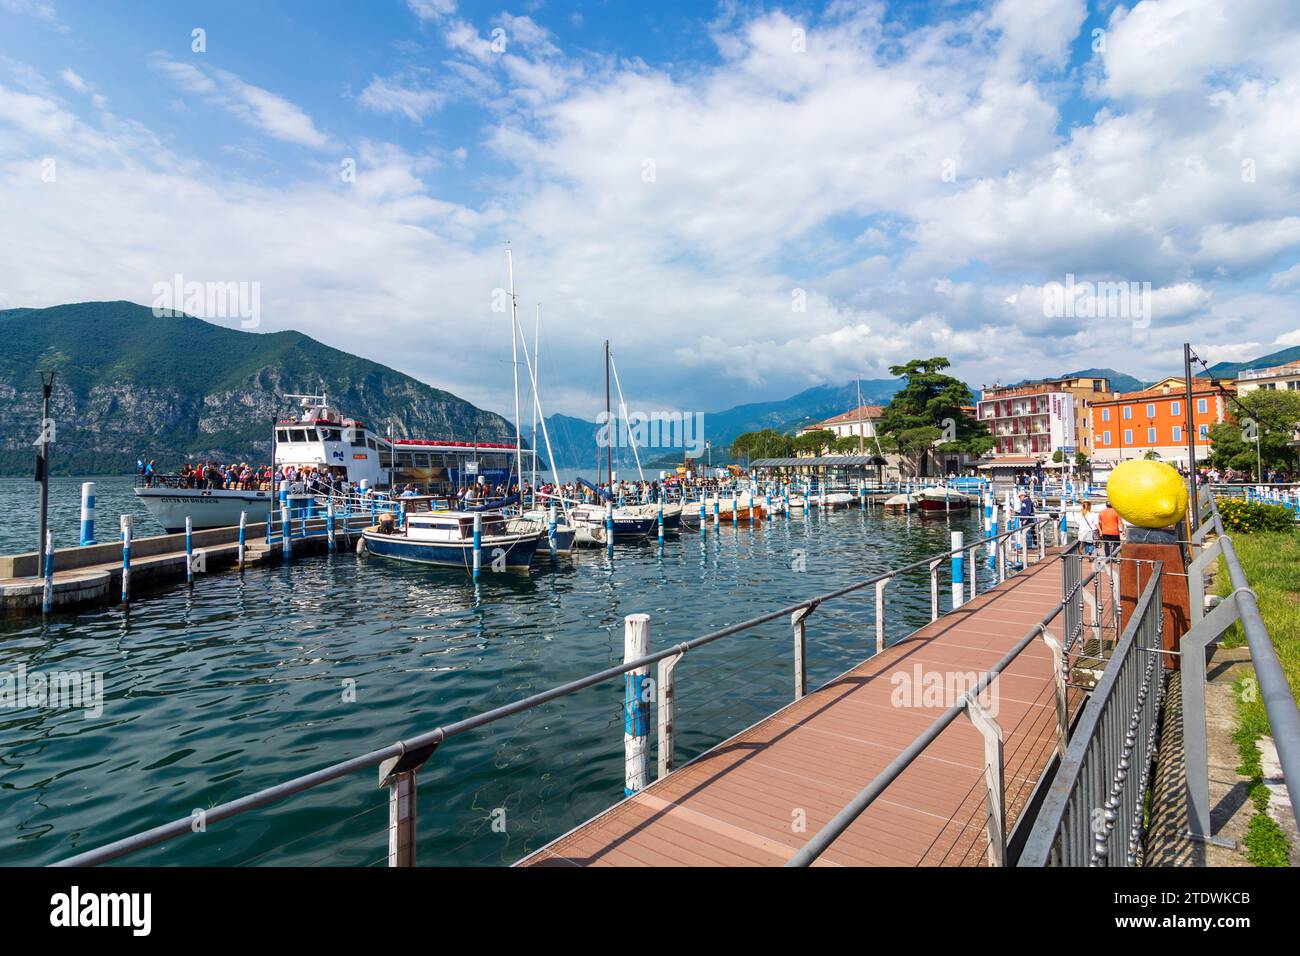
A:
[(286, 534), (243, 524), (189, 550), (636, 705), (47, 593), (958, 570), (716, 514), (609, 525), (991, 525), (478, 544), (661, 522), (551, 524), (87, 513), (127, 521), (329, 527)]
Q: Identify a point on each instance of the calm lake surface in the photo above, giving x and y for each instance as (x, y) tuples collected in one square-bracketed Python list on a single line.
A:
[(214, 692)]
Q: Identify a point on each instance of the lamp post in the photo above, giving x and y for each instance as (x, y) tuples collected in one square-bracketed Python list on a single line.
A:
[(43, 461), (1191, 435)]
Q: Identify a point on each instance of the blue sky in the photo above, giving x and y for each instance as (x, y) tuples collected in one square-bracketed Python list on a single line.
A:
[(746, 198)]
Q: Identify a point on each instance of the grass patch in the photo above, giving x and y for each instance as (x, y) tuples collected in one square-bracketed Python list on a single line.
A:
[(1271, 562)]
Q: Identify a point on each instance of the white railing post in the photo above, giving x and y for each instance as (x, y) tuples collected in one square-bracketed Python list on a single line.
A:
[(667, 705), (636, 708), (958, 578), (880, 614)]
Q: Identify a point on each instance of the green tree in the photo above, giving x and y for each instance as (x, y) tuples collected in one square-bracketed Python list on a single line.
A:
[(766, 443), (816, 441), (926, 413), (1272, 417), (846, 444)]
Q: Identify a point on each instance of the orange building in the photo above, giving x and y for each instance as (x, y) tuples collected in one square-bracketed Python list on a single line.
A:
[(1131, 424)]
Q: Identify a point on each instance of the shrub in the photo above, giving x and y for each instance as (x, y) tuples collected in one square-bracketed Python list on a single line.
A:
[(1244, 516)]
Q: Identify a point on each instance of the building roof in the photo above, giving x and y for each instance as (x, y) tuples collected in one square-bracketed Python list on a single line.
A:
[(1173, 388), (863, 413)]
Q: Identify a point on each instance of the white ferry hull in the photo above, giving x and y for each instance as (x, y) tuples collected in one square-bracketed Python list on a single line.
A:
[(207, 508)]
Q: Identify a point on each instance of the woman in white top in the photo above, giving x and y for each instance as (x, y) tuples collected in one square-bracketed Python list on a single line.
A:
[(1087, 529)]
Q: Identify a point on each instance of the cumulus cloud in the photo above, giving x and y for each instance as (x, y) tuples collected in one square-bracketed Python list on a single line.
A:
[(831, 194)]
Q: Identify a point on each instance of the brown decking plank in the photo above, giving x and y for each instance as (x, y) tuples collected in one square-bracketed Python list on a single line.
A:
[(734, 805)]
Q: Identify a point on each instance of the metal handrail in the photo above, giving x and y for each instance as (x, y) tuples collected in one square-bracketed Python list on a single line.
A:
[(411, 753), (1279, 701), (822, 840), (1104, 777)]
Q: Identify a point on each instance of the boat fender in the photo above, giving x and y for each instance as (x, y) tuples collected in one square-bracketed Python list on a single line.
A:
[(361, 546)]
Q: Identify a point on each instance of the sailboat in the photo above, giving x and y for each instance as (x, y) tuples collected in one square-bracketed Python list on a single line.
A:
[(566, 533)]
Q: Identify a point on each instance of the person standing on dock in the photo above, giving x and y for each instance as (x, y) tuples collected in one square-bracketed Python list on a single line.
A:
[(1111, 527), (1087, 528), (1026, 511)]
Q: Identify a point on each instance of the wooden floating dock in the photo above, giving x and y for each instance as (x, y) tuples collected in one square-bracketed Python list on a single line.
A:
[(758, 797), (93, 573)]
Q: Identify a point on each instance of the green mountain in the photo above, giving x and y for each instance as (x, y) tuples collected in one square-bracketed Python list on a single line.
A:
[(181, 389), (1230, 369)]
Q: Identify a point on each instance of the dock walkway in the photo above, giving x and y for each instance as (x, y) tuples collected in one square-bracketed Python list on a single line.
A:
[(758, 797)]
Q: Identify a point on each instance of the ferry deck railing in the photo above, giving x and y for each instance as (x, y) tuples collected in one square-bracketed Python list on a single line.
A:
[(400, 763)]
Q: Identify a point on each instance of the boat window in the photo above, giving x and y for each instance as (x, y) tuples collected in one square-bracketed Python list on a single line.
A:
[(404, 459), (330, 434), (282, 434), (370, 443), (494, 526), (359, 438), (421, 460), (385, 458), (300, 435)]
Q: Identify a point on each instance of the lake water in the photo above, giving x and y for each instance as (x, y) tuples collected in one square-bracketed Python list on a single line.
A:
[(239, 683)]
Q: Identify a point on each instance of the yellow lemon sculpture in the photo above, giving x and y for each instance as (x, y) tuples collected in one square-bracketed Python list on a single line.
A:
[(1149, 494)]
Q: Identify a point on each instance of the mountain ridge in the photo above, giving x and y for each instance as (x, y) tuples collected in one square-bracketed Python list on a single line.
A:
[(177, 388)]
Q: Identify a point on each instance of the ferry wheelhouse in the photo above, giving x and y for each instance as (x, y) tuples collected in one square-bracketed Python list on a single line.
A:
[(344, 452)]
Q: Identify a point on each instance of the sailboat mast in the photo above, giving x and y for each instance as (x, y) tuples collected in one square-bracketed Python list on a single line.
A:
[(609, 443), (862, 425), (537, 323), (514, 352), (622, 410)]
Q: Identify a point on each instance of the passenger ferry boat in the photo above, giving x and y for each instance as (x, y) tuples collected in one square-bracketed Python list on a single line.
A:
[(447, 538), (347, 452)]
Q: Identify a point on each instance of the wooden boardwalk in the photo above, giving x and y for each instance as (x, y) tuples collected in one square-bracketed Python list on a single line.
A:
[(742, 803)]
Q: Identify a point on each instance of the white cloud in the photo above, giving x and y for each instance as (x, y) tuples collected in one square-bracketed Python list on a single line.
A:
[(258, 108), (676, 209), (1286, 279), (70, 77), (432, 9), (403, 95)]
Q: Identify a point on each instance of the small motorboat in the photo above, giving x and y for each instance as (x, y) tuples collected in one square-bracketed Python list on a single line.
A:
[(672, 514), (941, 500), (627, 526), (537, 519), (447, 538)]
